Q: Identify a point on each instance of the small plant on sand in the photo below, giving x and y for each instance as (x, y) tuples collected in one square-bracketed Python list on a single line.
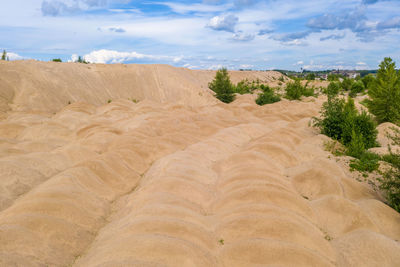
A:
[(267, 97), (221, 241), (222, 86)]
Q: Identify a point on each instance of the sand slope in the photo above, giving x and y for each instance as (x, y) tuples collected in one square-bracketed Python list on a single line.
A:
[(166, 184)]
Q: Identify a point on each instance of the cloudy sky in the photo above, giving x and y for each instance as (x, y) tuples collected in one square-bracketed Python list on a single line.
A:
[(206, 34)]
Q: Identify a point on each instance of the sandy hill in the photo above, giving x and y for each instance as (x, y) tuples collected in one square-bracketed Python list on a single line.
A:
[(49, 86), (177, 179)]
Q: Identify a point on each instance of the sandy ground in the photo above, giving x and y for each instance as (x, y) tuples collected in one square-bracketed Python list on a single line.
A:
[(176, 179)]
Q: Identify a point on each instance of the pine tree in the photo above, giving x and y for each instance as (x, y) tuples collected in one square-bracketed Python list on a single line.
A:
[(4, 56), (385, 93), (222, 86)]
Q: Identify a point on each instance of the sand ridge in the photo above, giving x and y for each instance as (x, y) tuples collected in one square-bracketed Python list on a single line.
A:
[(171, 184)]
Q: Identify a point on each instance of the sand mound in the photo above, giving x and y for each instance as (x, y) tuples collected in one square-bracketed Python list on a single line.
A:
[(176, 184)]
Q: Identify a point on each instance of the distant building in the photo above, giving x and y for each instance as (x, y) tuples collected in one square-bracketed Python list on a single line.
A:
[(352, 75), (346, 73)]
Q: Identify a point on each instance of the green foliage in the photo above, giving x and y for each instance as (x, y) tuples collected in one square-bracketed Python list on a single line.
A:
[(346, 84), (310, 76), (356, 147), (222, 86), (365, 102), (82, 60), (4, 55), (333, 89), (333, 77), (56, 60), (366, 162), (308, 91), (390, 183), (267, 97), (368, 80), (385, 93), (294, 90), (281, 79), (356, 87), (332, 117), (247, 87), (341, 121)]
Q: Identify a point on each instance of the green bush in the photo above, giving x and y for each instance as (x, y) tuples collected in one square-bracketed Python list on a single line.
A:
[(310, 76), (333, 89), (340, 120), (356, 87), (356, 146), (267, 97), (294, 90), (385, 93), (368, 80), (346, 84), (390, 182), (366, 162), (56, 60), (242, 87), (332, 117), (222, 86), (361, 123), (308, 91)]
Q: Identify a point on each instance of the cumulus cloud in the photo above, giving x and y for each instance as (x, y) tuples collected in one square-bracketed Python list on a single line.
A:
[(333, 37), (14, 56), (290, 37), (117, 29), (393, 23), (223, 23), (243, 37), (110, 56), (265, 31), (354, 21), (66, 7)]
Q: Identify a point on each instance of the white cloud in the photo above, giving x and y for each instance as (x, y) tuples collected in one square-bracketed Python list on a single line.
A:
[(186, 8), (14, 56), (223, 23), (361, 63), (243, 37), (110, 56)]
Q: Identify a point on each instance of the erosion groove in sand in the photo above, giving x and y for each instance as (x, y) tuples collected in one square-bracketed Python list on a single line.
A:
[(163, 184)]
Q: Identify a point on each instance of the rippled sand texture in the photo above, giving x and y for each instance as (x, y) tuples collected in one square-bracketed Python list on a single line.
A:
[(162, 184)]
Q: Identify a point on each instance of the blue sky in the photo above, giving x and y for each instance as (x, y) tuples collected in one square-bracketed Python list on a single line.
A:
[(206, 34)]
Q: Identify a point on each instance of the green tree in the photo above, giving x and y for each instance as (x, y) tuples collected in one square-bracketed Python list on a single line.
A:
[(310, 77), (385, 93), (356, 87), (368, 80), (57, 60), (267, 97), (222, 86), (333, 89), (4, 56), (346, 84)]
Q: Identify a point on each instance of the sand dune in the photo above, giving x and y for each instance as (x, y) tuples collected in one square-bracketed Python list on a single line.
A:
[(174, 180)]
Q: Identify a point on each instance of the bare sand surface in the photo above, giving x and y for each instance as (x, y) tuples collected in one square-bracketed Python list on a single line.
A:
[(177, 179)]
